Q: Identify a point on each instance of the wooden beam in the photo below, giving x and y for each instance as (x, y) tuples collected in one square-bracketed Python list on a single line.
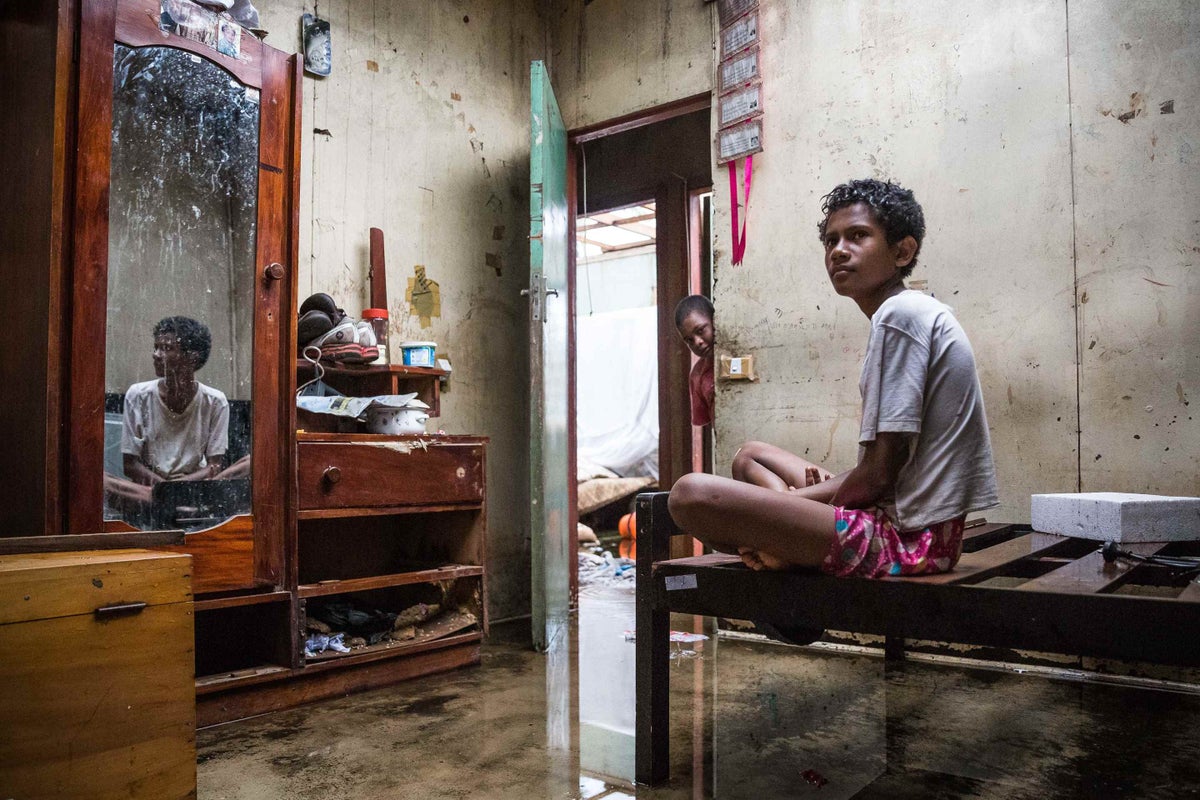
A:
[(378, 272), (640, 119), (89, 541)]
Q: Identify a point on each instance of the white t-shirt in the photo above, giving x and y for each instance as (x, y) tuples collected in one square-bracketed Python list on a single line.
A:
[(174, 444), (919, 377)]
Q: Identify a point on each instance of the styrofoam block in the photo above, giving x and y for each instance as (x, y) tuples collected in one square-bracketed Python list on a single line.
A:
[(1117, 516)]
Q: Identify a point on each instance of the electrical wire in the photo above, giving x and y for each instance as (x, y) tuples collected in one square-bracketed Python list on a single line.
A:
[(1188, 566), (318, 369)]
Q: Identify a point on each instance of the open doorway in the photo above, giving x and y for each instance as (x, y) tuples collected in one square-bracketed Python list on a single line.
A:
[(616, 369), (641, 242), (640, 190)]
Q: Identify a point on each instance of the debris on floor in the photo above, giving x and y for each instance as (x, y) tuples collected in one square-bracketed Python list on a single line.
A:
[(340, 626), (605, 569), (320, 642), (814, 778), (586, 534)]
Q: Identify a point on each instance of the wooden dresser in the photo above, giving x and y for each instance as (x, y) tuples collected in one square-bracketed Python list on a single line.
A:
[(384, 523), (96, 683)]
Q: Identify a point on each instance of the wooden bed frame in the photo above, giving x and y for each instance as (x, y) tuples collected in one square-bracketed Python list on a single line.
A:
[(1047, 593)]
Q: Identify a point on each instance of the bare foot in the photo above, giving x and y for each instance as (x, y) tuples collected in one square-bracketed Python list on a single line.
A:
[(751, 559), (759, 561)]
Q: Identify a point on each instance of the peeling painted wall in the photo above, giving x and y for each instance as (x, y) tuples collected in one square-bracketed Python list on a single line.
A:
[(422, 130), (973, 106), (614, 57), (1135, 103), (1046, 141)]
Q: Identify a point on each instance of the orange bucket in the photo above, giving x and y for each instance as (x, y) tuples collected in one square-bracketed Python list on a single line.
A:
[(627, 527)]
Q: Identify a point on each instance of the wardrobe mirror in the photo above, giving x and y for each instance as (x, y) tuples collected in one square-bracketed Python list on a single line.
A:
[(181, 287)]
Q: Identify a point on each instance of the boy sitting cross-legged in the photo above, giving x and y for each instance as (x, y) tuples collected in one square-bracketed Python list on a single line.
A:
[(925, 459)]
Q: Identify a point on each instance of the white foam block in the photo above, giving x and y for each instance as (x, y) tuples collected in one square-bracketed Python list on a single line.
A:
[(1118, 517)]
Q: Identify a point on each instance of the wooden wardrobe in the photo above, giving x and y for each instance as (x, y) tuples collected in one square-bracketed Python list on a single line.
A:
[(152, 168)]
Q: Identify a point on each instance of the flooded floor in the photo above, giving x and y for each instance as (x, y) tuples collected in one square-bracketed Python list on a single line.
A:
[(749, 719)]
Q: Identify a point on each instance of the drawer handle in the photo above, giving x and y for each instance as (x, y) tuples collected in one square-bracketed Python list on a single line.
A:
[(105, 613), (332, 475)]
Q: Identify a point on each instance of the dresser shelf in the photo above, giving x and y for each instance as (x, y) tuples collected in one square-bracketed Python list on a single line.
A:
[(332, 587)]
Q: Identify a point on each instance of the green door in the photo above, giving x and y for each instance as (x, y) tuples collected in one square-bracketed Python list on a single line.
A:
[(547, 292)]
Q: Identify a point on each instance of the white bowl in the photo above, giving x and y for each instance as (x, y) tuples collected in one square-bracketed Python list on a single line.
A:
[(381, 419)]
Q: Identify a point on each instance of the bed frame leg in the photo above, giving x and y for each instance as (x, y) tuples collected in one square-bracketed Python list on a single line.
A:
[(652, 679)]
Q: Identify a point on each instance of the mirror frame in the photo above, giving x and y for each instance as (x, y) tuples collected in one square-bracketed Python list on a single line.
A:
[(248, 550)]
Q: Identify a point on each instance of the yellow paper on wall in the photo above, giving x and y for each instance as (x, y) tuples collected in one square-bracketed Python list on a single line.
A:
[(424, 297)]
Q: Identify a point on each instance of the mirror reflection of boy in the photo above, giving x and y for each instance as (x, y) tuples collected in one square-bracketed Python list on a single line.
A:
[(175, 427), (694, 321)]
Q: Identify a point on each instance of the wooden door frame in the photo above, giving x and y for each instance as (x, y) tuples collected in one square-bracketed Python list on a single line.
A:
[(676, 414)]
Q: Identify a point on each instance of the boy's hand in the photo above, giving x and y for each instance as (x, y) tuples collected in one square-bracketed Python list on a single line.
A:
[(812, 476)]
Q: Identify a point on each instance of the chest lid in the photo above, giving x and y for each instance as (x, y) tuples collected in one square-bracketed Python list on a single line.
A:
[(50, 585)]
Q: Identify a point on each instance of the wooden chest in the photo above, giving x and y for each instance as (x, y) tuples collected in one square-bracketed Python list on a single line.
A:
[(97, 697)]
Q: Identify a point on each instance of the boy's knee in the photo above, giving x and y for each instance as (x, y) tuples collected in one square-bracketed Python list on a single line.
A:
[(685, 494), (746, 455)]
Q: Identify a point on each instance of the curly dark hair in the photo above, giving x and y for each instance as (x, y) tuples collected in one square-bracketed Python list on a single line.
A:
[(893, 207), (194, 337), (692, 303)]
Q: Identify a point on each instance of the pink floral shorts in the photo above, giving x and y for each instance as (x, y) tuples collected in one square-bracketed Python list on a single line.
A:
[(868, 545)]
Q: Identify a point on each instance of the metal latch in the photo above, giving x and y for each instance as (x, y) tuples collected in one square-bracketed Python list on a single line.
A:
[(537, 301)]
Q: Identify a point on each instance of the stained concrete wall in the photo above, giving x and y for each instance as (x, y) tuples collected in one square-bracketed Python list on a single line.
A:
[(1135, 101), (422, 130), (614, 57), (986, 112), (969, 107), (1013, 124)]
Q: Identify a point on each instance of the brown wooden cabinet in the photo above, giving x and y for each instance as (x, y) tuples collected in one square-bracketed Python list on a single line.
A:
[(96, 676), (368, 471), (403, 524)]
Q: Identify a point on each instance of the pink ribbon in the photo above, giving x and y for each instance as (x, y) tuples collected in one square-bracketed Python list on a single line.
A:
[(739, 232)]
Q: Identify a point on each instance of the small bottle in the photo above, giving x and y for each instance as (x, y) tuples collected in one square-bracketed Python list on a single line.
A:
[(378, 317)]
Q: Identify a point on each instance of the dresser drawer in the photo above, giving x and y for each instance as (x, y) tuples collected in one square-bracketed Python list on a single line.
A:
[(374, 472)]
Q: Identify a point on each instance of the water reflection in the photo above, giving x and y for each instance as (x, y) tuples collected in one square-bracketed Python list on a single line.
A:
[(606, 681), (749, 720), (607, 702)]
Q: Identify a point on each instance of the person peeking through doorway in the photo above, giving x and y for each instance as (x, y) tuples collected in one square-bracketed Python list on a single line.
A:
[(694, 321)]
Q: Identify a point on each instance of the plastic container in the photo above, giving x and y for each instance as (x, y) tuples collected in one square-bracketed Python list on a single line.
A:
[(378, 317), (418, 354)]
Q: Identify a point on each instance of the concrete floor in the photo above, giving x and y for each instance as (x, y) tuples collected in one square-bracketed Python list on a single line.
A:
[(749, 720)]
